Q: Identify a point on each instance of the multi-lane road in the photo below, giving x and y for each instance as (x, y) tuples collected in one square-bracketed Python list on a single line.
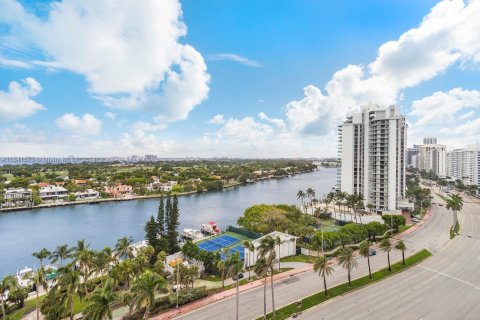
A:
[(394, 297), (446, 286)]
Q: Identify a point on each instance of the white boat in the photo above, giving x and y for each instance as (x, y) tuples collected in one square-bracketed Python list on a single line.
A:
[(193, 234), (21, 277), (211, 228)]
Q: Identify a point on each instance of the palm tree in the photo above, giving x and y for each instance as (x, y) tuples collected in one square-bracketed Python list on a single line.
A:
[(348, 260), (234, 269), (364, 250), (145, 288), (98, 304), (279, 242), (324, 270), (267, 250), (386, 246), (301, 196), (123, 248), (69, 282), (61, 253), (83, 257), (42, 255), (311, 194), (222, 267), (455, 203), (127, 298), (38, 279), (261, 270), (248, 245), (6, 285), (400, 245)]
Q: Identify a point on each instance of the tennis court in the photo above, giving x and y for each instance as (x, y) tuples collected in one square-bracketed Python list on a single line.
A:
[(238, 249), (218, 243)]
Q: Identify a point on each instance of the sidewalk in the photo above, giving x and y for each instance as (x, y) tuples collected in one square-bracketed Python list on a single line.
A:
[(228, 293), (254, 284)]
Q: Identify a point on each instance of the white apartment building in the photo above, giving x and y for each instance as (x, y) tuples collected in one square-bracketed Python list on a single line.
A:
[(53, 193), (430, 140), (13, 194), (464, 164), (372, 147), (433, 158)]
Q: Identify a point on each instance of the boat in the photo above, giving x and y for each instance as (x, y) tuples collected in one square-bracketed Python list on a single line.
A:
[(211, 228), (22, 277), (193, 234)]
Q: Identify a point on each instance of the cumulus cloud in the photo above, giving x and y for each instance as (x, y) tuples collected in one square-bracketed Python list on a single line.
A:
[(83, 125), (128, 51), (235, 58), (447, 35), (217, 119), (111, 115), (147, 126), (442, 107), (17, 103), (278, 122)]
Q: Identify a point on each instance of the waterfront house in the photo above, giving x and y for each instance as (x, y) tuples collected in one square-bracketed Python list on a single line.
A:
[(119, 190), (87, 194), (13, 194), (81, 183), (59, 183), (51, 192), (165, 187), (173, 183)]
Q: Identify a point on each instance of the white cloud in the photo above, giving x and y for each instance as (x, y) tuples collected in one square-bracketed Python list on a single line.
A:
[(447, 35), (111, 115), (128, 51), (217, 119), (278, 122), (469, 129), (83, 125), (442, 107), (17, 103), (14, 63), (236, 58), (147, 126)]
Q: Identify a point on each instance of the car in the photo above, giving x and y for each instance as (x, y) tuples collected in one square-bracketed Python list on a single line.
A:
[(372, 252), (440, 204), (415, 220)]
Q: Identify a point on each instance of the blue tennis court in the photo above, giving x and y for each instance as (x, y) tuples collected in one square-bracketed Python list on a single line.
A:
[(218, 243), (238, 249)]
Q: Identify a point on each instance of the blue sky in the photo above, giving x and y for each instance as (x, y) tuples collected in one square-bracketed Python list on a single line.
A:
[(230, 78)]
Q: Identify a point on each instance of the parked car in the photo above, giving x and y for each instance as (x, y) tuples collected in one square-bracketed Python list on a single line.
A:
[(440, 204), (416, 220), (372, 252)]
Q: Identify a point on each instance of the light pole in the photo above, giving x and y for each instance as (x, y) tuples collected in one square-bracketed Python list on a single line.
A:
[(237, 279)]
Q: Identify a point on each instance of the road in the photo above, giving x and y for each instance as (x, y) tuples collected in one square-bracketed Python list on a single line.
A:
[(433, 235), (446, 286)]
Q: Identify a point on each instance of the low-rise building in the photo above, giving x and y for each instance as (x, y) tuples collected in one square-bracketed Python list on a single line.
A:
[(165, 187), (120, 190), (82, 183), (287, 248), (87, 194), (51, 192), (17, 193)]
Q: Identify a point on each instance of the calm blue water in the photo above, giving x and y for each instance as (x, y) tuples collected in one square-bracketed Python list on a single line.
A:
[(24, 232)]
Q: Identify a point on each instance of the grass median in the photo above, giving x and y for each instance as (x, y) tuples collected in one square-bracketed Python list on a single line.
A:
[(319, 297)]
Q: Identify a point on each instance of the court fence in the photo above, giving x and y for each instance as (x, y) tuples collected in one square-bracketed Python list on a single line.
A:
[(244, 232)]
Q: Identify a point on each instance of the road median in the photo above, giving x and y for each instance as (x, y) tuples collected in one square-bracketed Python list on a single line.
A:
[(319, 297)]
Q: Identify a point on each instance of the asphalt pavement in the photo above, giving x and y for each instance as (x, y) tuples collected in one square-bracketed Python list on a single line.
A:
[(445, 286), (434, 235)]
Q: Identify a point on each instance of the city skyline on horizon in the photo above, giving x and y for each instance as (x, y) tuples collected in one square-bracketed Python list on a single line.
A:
[(157, 78)]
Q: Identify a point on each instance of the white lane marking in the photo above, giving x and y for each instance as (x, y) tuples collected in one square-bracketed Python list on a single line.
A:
[(452, 277)]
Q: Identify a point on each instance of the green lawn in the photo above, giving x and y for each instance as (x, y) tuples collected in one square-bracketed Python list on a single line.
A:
[(319, 297), (404, 228), (299, 258), (30, 307)]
